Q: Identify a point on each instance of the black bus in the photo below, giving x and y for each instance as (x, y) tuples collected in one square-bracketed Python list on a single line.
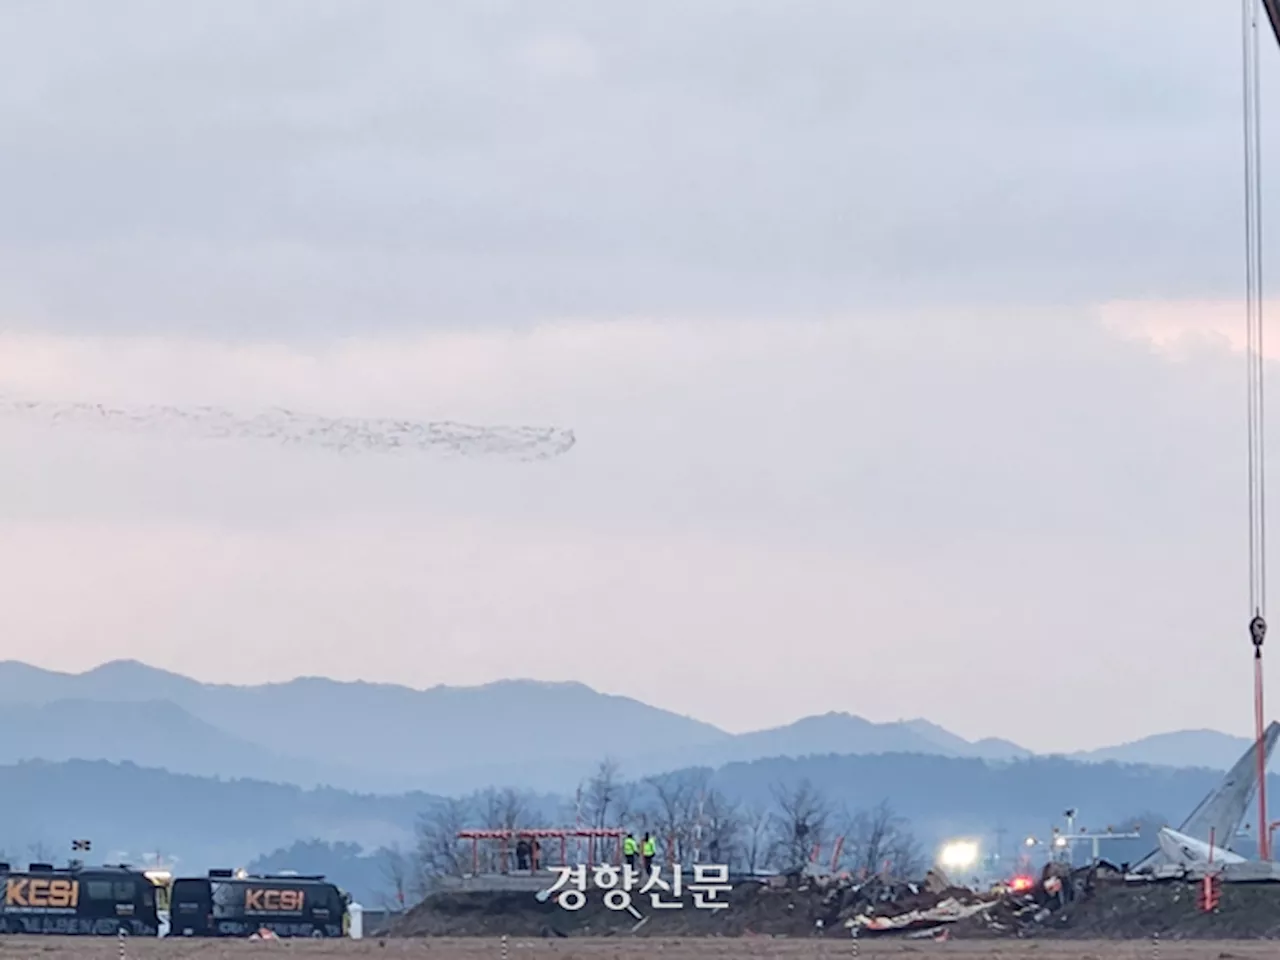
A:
[(78, 900), (225, 904)]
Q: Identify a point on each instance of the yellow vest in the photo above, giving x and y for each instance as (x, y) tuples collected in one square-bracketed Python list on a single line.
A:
[(629, 846), (650, 848)]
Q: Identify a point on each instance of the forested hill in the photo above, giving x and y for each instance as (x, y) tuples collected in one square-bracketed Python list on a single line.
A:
[(127, 810), (949, 796)]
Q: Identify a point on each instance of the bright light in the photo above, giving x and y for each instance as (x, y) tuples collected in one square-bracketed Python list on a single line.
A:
[(1060, 842), (1020, 884), (959, 855), (1030, 841)]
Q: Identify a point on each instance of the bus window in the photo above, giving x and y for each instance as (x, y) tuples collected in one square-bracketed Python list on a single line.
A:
[(191, 897)]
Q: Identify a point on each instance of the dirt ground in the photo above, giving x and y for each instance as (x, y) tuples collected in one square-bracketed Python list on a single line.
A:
[(1114, 912), (618, 948)]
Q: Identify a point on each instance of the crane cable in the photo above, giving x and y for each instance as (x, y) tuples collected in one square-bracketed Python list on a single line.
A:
[(1253, 312), (1254, 350)]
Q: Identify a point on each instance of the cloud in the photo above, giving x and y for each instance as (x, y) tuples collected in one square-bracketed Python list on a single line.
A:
[(940, 424), (562, 55), (898, 348), (773, 512), (1179, 327), (318, 169)]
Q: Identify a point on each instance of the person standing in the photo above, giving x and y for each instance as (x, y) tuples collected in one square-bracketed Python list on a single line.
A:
[(648, 850), (629, 850)]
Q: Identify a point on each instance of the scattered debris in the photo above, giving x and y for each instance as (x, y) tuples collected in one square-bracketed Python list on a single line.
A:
[(1086, 903)]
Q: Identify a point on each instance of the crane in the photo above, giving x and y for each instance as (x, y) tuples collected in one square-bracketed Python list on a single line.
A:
[(1255, 356)]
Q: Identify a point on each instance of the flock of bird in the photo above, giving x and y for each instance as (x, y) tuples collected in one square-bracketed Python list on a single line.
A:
[(293, 429)]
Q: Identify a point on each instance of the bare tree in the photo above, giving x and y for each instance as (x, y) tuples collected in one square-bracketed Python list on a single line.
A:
[(626, 803), (502, 809), (675, 812), (756, 840), (878, 841), (721, 828), (601, 793), (603, 799), (396, 871), (438, 852), (906, 858), (799, 823), (40, 852)]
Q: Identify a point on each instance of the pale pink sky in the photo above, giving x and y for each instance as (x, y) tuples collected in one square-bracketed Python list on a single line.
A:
[(899, 350), (743, 532)]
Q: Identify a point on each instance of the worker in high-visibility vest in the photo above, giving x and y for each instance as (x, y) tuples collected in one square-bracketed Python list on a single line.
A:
[(648, 850), (629, 850)]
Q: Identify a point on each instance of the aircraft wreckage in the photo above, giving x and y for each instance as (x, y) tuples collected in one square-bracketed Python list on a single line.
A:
[(1201, 844)]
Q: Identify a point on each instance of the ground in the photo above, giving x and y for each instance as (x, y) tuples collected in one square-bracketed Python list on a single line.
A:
[(1143, 922), (1129, 912), (617, 948)]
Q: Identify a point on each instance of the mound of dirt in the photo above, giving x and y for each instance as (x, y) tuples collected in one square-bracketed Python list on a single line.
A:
[(796, 910), (1120, 911), (1094, 911), (752, 909), (1247, 911)]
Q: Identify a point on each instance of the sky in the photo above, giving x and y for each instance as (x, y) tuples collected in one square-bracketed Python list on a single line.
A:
[(903, 352)]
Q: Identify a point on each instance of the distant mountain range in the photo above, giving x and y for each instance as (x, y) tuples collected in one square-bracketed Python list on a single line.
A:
[(384, 738), (1183, 748)]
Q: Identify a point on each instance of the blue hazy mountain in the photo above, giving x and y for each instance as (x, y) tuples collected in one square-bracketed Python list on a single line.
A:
[(361, 735), (391, 738), (150, 733), (1182, 748)]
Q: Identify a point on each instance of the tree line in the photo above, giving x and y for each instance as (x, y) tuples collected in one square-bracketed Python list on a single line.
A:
[(691, 820)]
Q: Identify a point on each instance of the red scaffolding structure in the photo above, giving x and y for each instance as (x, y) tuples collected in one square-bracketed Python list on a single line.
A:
[(597, 839)]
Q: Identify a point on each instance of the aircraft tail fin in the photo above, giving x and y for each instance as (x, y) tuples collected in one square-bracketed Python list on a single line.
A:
[(1221, 813)]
